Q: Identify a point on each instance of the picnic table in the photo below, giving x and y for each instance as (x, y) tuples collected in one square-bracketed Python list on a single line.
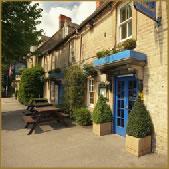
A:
[(36, 102), (44, 114)]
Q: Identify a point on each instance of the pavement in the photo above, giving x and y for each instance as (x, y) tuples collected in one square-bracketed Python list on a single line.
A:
[(56, 146)]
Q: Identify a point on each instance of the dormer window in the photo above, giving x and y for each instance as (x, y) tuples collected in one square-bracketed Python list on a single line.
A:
[(125, 22)]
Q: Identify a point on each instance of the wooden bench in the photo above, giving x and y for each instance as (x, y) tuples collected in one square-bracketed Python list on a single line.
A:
[(47, 116)]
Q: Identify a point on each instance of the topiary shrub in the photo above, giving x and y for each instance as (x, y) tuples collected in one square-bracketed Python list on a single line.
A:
[(82, 116), (139, 121), (102, 112)]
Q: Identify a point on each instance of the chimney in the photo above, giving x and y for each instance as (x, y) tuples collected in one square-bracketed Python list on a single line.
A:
[(99, 3), (63, 19)]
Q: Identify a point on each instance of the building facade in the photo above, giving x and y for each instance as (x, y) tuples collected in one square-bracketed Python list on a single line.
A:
[(120, 74)]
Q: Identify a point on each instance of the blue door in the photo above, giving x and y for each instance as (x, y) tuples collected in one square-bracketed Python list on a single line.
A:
[(60, 93), (126, 89)]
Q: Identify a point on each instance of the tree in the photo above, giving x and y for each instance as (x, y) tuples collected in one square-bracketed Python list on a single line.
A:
[(31, 85), (73, 88), (19, 32)]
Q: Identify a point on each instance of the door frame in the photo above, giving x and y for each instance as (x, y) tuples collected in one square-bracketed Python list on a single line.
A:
[(125, 77)]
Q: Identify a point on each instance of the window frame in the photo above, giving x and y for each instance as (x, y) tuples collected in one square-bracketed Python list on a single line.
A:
[(89, 91), (119, 25)]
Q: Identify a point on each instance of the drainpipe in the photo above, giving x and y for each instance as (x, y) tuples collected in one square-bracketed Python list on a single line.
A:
[(80, 47)]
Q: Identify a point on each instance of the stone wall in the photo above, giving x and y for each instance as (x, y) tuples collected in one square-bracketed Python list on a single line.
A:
[(152, 41)]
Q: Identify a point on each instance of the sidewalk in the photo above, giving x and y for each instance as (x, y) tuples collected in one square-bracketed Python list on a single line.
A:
[(57, 146)]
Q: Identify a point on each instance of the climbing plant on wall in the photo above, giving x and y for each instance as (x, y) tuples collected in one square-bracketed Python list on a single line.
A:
[(74, 87)]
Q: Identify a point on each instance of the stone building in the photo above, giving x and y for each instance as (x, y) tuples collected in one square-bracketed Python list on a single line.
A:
[(54, 57), (121, 73)]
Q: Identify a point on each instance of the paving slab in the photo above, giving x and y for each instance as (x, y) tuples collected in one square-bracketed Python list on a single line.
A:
[(56, 146)]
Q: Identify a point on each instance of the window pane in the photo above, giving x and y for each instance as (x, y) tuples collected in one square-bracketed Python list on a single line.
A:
[(123, 13), (122, 122), (92, 88), (91, 97), (119, 114), (118, 121), (129, 28), (122, 113), (123, 31), (129, 11)]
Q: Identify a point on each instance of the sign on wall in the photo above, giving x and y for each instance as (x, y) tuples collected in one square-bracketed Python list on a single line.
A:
[(147, 8)]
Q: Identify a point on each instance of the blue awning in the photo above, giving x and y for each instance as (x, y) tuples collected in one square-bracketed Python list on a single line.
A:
[(56, 75), (120, 56)]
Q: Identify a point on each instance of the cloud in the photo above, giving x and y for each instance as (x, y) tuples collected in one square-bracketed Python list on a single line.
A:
[(50, 15)]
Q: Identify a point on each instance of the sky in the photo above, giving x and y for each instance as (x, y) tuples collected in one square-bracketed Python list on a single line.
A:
[(78, 11)]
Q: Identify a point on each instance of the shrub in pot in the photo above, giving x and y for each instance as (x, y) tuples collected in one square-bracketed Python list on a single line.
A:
[(82, 116), (139, 130), (102, 117)]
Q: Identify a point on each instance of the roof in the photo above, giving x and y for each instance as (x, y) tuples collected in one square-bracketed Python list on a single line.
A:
[(53, 42), (44, 38)]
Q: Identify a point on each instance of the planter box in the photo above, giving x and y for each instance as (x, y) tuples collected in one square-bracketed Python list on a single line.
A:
[(102, 129), (138, 146)]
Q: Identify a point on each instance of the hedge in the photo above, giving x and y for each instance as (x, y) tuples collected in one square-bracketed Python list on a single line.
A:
[(82, 116)]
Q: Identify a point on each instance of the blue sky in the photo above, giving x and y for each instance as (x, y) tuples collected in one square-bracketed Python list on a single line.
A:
[(78, 11)]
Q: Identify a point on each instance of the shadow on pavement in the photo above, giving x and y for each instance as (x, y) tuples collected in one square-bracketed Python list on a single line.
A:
[(12, 120)]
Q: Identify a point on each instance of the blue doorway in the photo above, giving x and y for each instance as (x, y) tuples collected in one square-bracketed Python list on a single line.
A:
[(126, 89)]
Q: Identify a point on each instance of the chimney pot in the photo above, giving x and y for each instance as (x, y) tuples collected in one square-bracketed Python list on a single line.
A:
[(63, 19), (99, 3)]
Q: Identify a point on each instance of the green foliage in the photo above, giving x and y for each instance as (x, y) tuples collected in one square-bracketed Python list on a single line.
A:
[(19, 29), (21, 70), (4, 74), (82, 116), (89, 70), (128, 44), (73, 88), (100, 54), (31, 84), (103, 53), (139, 121), (102, 112)]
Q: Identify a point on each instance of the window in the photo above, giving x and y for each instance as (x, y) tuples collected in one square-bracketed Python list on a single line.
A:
[(53, 61), (91, 91), (45, 64), (125, 22)]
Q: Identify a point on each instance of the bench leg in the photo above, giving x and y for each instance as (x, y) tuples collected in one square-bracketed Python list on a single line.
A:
[(33, 128), (61, 119), (27, 124)]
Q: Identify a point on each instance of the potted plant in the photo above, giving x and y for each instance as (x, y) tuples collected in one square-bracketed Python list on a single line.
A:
[(139, 130), (102, 117)]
